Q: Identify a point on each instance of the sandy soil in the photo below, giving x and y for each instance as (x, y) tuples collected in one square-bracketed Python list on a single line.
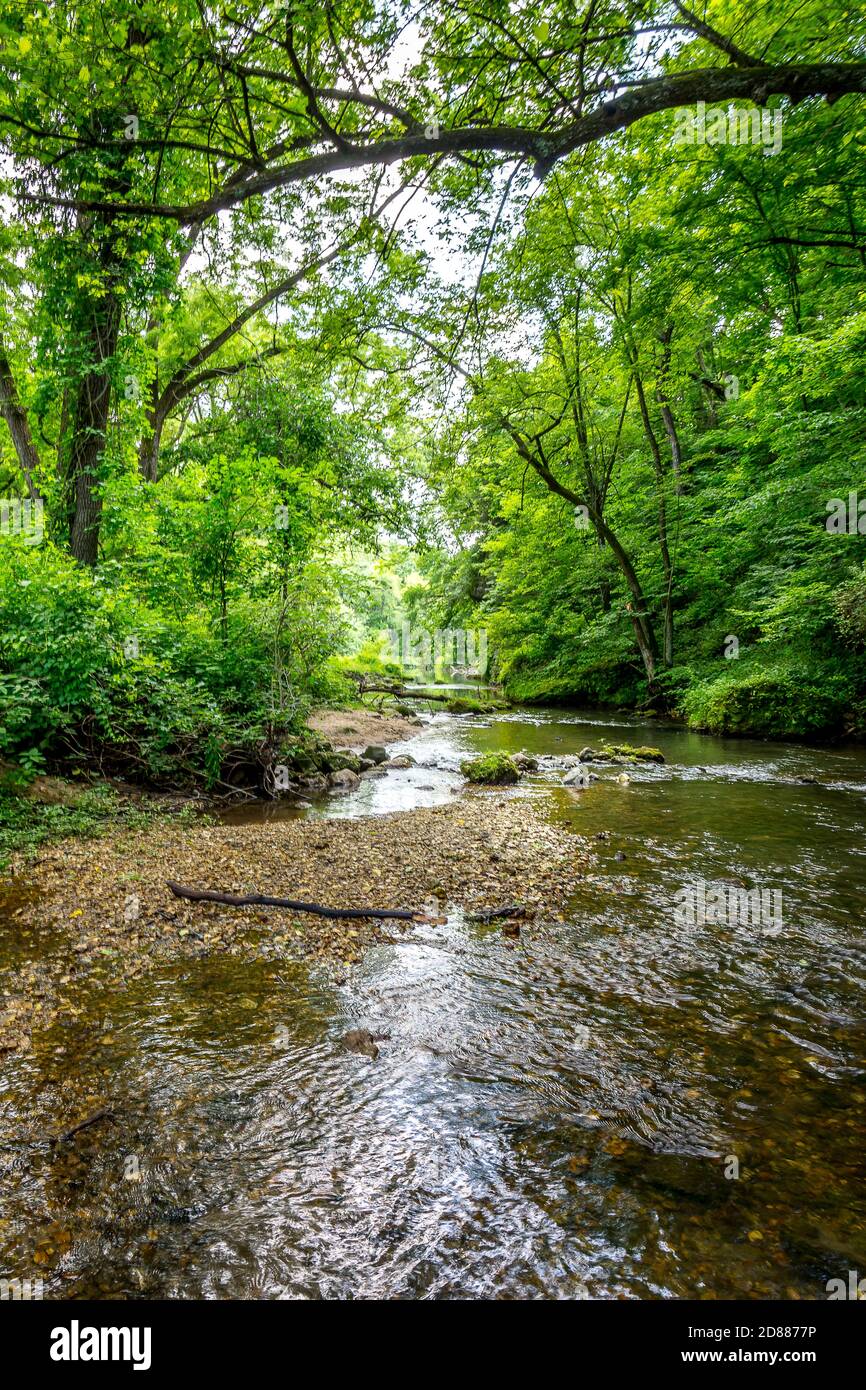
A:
[(100, 910), (356, 728)]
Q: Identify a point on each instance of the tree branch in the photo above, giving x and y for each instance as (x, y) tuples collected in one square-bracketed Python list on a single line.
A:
[(831, 80)]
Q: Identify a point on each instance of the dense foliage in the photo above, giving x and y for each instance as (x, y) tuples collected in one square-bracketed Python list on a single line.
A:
[(285, 287)]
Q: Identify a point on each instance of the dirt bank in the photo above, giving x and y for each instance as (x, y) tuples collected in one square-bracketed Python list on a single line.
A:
[(356, 728), (100, 910)]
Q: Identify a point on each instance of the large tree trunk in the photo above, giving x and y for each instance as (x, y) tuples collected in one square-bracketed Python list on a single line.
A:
[(89, 428), (638, 609), (148, 447)]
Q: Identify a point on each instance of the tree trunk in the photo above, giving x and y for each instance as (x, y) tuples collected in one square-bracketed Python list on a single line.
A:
[(666, 412), (638, 609), (667, 567), (148, 452), (148, 449), (15, 416), (89, 428)]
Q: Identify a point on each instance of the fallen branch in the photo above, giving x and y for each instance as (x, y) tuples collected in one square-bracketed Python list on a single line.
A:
[(103, 1114), (259, 900), (367, 686)]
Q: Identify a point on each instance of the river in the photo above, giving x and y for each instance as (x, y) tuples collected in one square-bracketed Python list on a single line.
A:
[(648, 1107)]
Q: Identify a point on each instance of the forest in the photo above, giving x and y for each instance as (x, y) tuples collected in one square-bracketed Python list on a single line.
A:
[(609, 410), (325, 323)]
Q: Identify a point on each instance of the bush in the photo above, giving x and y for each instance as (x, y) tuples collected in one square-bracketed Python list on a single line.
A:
[(774, 701), (56, 643), (89, 675)]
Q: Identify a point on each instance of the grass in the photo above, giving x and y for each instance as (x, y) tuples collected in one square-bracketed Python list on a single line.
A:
[(26, 824)]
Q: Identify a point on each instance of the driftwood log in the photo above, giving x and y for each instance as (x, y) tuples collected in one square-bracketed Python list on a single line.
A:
[(197, 895)]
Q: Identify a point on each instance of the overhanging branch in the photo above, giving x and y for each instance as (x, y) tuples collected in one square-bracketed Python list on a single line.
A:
[(746, 83)]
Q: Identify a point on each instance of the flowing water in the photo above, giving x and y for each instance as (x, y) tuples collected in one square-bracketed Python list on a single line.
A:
[(639, 1102)]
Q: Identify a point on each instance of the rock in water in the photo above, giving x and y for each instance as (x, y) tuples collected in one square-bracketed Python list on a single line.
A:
[(360, 1040), (524, 762), (495, 769), (376, 753), (345, 780), (576, 780), (402, 760)]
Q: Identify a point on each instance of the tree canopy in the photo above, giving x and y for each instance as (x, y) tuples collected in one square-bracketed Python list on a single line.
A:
[(570, 306)]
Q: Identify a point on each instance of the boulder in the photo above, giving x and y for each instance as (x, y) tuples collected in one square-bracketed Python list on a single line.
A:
[(314, 783), (578, 779), (628, 753), (375, 753), (344, 757), (524, 762), (344, 779), (494, 769), (402, 760)]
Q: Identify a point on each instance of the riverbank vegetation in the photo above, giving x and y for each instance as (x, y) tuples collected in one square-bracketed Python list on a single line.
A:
[(373, 318)]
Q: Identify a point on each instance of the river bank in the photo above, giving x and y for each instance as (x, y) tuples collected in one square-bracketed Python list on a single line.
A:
[(357, 728), (100, 909)]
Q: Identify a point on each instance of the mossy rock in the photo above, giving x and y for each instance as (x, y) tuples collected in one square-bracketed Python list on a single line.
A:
[(303, 762), (465, 705), (493, 769), (643, 754), (343, 759)]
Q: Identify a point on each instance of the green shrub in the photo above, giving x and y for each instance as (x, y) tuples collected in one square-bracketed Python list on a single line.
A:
[(774, 701)]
